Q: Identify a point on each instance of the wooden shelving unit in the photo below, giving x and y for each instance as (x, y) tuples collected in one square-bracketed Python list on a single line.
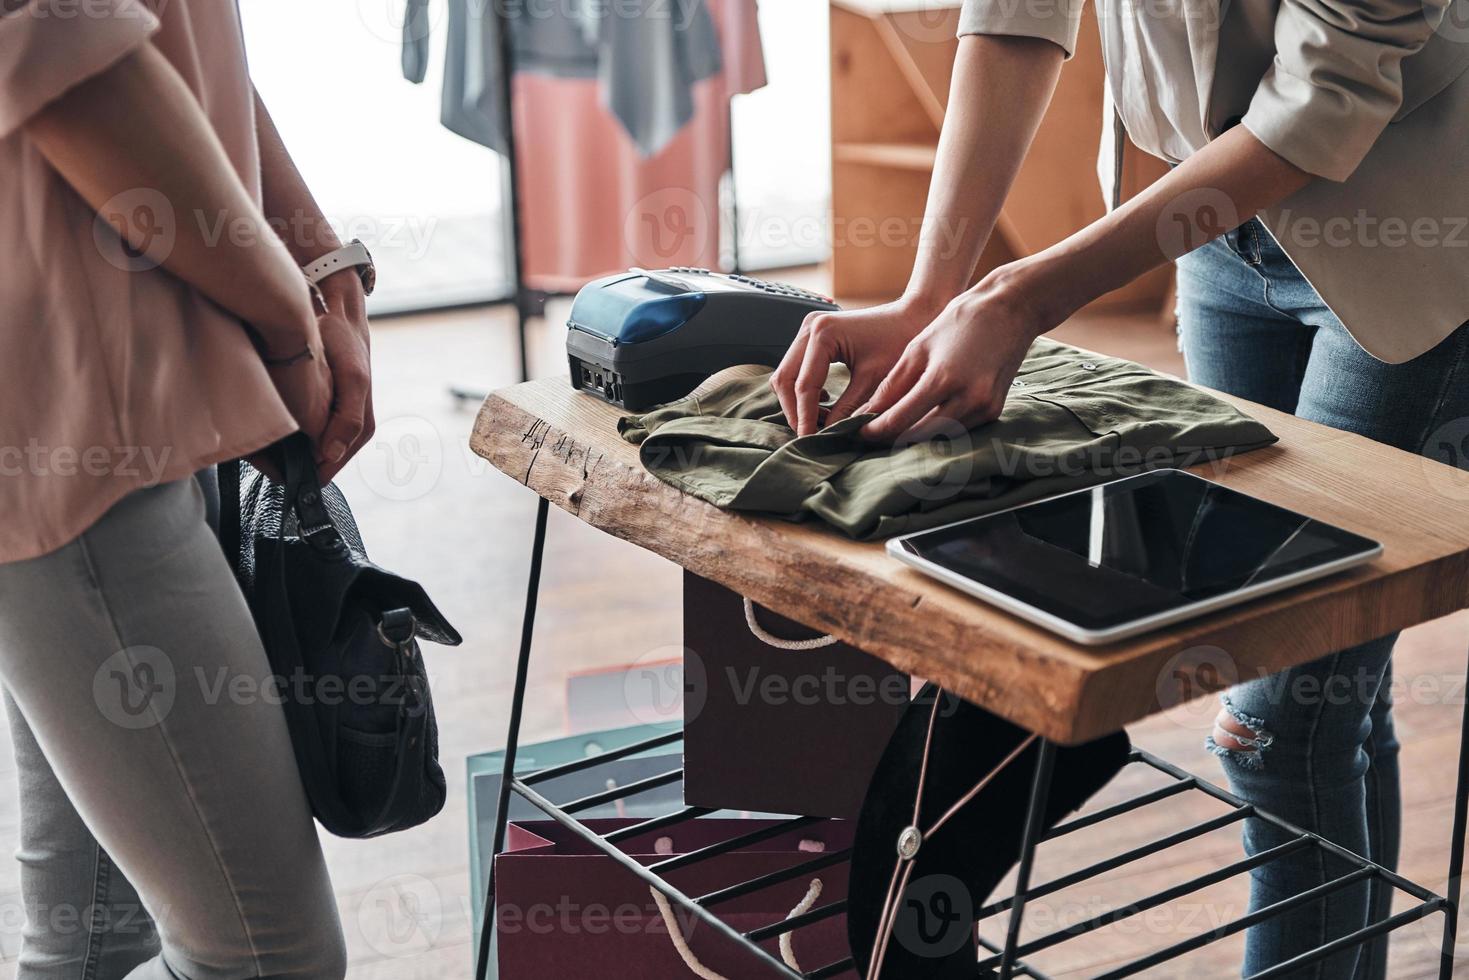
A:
[(890, 73)]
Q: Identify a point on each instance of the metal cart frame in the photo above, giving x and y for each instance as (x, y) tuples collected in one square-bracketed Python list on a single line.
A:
[(1006, 960)]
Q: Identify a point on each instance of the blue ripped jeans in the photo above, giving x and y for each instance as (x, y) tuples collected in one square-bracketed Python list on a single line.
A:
[(1325, 756)]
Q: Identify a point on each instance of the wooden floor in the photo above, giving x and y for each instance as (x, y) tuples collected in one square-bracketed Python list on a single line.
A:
[(432, 510)]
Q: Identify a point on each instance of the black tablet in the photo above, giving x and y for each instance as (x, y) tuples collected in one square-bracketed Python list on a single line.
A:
[(1125, 557)]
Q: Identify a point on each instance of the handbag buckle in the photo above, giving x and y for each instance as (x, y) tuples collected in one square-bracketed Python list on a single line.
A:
[(396, 629)]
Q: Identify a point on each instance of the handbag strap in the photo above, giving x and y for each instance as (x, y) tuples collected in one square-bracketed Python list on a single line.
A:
[(228, 477), (303, 494), (303, 491)]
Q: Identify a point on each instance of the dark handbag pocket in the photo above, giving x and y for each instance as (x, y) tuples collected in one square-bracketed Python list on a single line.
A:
[(367, 763), (385, 764)]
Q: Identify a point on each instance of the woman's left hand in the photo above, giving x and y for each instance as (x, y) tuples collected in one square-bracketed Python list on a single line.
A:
[(960, 367), (345, 341)]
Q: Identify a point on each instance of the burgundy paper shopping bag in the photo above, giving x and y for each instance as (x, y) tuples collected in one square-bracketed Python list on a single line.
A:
[(565, 911), (774, 730)]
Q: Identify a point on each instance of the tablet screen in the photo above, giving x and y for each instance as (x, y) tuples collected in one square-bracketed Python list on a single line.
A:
[(1134, 548)]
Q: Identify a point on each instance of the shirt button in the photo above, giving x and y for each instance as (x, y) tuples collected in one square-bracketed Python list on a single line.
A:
[(1088, 366), (1017, 383)]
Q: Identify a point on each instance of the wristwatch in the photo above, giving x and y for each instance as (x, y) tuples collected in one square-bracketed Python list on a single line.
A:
[(353, 256)]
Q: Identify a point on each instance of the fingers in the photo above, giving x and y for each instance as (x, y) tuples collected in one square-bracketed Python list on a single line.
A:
[(344, 429), (859, 389), (815, 366), (783, 379), (904, 413), (944, 419), (369, 427), (802, 372), (935, 402), (349, 424), (899, 382)]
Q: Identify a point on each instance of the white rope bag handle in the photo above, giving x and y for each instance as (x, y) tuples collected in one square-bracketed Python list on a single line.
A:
[(787, 948), (815, 643)]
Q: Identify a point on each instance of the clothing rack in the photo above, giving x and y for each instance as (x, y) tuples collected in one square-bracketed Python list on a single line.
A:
[(530, 303)]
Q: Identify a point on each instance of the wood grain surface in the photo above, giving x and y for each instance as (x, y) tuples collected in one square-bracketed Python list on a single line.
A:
[(564, 445)]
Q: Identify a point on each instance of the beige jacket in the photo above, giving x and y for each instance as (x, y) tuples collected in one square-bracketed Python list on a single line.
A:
[(1372, 95)]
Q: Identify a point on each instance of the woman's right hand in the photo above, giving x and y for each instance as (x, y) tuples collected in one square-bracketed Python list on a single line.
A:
[(868, 341), (306, 388)]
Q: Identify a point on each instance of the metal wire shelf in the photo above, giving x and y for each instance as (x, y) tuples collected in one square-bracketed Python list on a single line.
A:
[(703, 906), (1005, 960)]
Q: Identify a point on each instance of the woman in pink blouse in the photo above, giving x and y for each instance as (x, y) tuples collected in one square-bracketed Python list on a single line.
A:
[(154, 320)]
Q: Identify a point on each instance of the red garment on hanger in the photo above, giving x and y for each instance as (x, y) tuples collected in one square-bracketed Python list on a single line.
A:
[(591, 205)]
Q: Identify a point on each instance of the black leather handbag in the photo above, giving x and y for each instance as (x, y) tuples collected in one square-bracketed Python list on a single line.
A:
[(342, 637)]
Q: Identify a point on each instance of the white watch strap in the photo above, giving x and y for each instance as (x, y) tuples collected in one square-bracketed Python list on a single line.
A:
[(346, 257)]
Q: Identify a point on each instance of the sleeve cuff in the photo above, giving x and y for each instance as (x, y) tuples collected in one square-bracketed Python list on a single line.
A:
[(1058, 21), (1323, 131), (49, 46)]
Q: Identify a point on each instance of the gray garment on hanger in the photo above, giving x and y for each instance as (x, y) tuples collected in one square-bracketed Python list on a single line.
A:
[(645, 54)]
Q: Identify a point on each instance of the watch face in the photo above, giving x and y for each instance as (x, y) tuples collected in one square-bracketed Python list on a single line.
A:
[(368, 272)]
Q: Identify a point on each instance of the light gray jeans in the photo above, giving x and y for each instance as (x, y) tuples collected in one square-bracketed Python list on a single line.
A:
[(164, 831)]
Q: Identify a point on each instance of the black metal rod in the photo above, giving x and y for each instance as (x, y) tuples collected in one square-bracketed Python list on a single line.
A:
[(796, 922), (832, 970), (1363, 935), (1126, 857), (1040, 789), (774, 878), (733, 844), (1235, 925), (1021, 968), (657, 823), (646, 875), (622, 792), (1142, 905), (1127, 806), (512, 737), (1453, 890), (1204, 786), (592, 762), (506, 109)]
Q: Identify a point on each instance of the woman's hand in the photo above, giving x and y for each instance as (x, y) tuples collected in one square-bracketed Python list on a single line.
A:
[(306, 388), (330, 394), (960, 367), (868, 341), (344, 337)]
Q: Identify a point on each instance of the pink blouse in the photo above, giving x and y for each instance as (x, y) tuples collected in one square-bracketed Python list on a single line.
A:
[(112, 377)]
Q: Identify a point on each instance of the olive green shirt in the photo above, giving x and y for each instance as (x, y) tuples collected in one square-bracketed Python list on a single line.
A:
[(1073, 419)]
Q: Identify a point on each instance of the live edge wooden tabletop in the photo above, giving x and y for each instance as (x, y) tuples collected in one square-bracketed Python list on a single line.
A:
[(564, 445)]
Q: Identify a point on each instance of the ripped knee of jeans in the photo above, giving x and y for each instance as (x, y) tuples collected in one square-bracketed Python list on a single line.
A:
[(1238, 737)]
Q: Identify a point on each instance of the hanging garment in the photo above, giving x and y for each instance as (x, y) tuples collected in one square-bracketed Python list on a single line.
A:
[(1073, 419), (592, 204), (645, 56)]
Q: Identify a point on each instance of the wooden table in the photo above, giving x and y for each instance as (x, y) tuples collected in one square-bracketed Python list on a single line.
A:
[(564, 445)]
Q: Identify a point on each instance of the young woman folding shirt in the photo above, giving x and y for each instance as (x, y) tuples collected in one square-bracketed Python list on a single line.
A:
[(1317, 214)]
